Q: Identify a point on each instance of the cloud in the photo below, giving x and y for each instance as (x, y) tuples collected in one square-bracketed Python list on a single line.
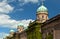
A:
[(20, 9), (3, 35), (23, 2), (5, 21), (7, 1), (33, 1), (26, 22), (5, 7), (26, 1)]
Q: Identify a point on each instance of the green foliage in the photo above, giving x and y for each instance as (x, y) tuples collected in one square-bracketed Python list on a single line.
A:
[(50, 36), (34, 32), (44, 28)]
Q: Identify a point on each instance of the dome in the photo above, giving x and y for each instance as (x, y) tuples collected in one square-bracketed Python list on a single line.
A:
[(20, 24), (42, 9), (12, 31)]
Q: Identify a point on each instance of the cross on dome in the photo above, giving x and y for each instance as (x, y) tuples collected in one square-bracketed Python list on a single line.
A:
[(42, 1)]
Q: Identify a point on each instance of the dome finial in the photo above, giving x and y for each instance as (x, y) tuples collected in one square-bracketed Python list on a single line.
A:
[(42, 2)]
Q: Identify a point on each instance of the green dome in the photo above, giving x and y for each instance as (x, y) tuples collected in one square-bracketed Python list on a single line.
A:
[(42, 9), (20, 24), (12, 31)]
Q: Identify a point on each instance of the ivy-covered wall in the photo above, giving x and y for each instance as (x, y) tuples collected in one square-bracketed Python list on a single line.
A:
[(49, 36), (34, 31)]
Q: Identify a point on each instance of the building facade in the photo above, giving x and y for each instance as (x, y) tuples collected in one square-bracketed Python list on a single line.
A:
[(51, 28)]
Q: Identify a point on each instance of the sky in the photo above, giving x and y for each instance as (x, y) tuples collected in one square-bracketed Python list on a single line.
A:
[(13, 12)]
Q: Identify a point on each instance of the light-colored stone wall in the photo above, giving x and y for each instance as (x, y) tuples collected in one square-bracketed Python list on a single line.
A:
[(42, 17)]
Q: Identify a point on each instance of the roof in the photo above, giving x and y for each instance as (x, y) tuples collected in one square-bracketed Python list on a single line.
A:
[(20, 24), (42, 8), (51, 20), (12, 31)]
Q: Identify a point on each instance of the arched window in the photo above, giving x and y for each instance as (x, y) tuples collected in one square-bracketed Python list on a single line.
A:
[(42, 16)]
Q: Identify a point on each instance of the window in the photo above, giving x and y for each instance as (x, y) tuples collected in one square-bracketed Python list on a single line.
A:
[(42, 16)]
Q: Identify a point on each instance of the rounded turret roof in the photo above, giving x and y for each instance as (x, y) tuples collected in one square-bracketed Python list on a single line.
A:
[(12, 31), (20, 24), (42, 8)]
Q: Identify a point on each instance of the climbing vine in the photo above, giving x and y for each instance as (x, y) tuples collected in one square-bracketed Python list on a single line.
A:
[(34, 32)]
